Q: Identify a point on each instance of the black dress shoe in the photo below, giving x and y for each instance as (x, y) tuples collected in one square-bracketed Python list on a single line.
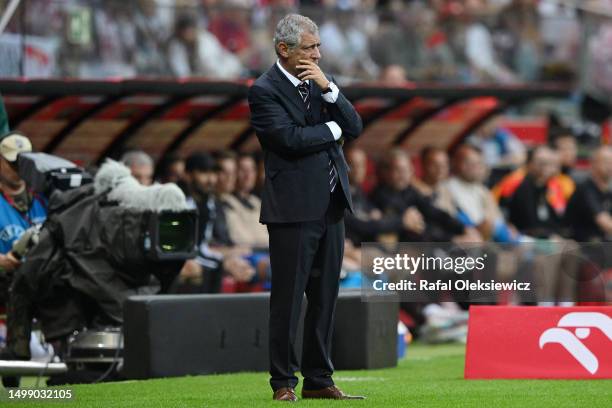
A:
[(332, 392)]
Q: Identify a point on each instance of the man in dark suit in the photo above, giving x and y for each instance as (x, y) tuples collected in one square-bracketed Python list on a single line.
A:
[(301, 120)]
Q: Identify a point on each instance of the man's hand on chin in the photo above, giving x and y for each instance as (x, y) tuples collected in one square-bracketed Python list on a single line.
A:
[(310, 70)]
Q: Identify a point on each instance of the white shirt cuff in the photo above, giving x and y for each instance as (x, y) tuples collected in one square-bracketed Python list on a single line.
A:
[(332, 96), (335, 129)]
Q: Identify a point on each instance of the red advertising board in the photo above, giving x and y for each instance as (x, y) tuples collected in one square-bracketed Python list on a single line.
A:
[(539, 342)]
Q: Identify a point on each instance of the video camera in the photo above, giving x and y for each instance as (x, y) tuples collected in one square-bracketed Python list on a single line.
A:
[(45, 173), (166, 235)]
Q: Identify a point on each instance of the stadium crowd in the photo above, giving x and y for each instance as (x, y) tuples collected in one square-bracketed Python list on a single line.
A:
[(458, 41)]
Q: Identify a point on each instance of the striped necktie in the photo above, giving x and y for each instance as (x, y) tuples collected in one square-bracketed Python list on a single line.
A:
[(305, 94), (304, 91)]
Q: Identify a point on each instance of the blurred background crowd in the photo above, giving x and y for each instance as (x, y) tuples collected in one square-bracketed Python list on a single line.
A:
[(458, 41)]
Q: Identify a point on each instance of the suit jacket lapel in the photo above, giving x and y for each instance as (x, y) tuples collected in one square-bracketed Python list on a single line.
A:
[(288, 89)]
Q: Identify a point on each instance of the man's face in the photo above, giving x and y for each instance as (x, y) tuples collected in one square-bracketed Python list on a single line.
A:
[(358, 162), (545, 164), (227, 176), (247, 174), (8, 175), (472, 167), (488, 129), (399, 173), (566, 146), (435, 168), (143, 173), (176, 172), (204, 182), (602, 164), (307, 49), (189, 34)]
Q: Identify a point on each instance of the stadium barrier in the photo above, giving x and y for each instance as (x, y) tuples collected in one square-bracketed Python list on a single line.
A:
[(170, 335)]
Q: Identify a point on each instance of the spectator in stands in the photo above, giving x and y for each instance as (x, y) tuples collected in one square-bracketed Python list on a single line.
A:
[(589, 210), (201, 181), (502, 150), (368, 223), (480, 52), (396, 195), (504, 190), (537, 206), (564, 142), (474, 203), (395, 40), (215, 253), (345, 46), (435, 61), (230, 23), (141, 166), (171, 170), (193, 51), (393, 75), (116, 44), (537, 209), (435, 170), (226, 175), (153, 28), (519, 35), (242, 208)]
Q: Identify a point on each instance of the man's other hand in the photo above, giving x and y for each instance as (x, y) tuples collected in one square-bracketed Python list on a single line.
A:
[(8, 262), (413, 220), (238, 268)]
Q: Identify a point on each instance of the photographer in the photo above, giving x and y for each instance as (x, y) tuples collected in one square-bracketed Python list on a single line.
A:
[(105, 239), (20, 207)]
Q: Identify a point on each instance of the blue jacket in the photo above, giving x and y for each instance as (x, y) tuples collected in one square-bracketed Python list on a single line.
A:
[(13, 224)]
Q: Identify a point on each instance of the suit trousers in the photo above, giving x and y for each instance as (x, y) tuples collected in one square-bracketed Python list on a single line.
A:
[(305, 257)]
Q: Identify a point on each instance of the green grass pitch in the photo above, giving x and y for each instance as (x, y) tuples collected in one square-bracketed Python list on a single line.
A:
[(430, 376)]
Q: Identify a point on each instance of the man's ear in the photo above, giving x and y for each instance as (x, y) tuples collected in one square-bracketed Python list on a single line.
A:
[(283, 50)]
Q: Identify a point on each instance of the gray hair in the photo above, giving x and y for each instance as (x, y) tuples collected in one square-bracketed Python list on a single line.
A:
[(136, 158), (290, 29)]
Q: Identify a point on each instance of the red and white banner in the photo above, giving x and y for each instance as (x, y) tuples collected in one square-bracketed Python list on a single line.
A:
[(539, 342)]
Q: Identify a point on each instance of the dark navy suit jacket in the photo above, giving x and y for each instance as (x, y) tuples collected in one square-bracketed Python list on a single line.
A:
[(297, 146)]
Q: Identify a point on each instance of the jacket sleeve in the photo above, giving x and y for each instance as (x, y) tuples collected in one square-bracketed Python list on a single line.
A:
[(444, 219), (278, 132), (370, 228), (344, 114)]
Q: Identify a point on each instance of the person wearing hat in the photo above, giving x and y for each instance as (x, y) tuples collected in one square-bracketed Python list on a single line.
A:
[(20, 208)]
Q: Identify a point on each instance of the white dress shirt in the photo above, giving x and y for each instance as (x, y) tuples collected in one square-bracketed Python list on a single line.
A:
[(329, 97)]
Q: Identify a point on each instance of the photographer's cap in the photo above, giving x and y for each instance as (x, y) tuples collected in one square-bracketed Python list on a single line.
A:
[(13, 144)]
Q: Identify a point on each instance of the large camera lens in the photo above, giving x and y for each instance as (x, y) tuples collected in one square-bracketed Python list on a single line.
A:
[(176, 232)]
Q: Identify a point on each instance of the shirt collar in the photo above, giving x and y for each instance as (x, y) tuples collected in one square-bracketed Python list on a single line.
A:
[(295, 81)]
